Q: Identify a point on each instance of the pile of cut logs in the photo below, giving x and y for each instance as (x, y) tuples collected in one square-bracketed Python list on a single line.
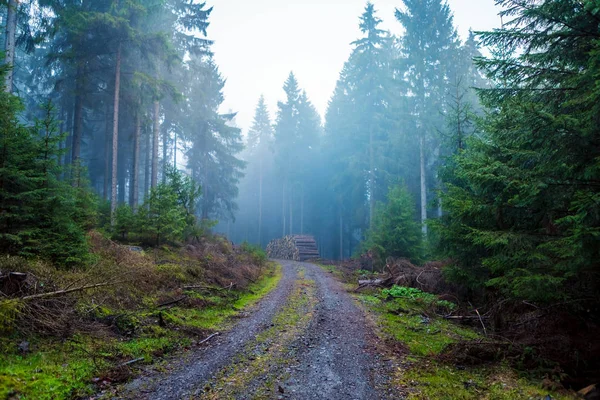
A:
[(297, 248)]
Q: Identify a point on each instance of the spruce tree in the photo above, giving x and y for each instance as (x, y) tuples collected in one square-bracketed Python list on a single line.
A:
[(428, 45), (523, 205)]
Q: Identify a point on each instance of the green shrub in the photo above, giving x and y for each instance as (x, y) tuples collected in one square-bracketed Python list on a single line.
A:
[(395, 231), (415, 294), (257, 254)]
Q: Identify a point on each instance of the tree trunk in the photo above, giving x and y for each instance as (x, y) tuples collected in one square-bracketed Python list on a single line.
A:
[(68, 139), (423, 186), (283, 207), (260, 200), (371, 179), (341, 237), (135, 184), (9, 42), (148, 160), (155, 134), (107, 139), (115, 137), (175, 150), (302, 210), (78, 124), (165, 162), (291, 210)]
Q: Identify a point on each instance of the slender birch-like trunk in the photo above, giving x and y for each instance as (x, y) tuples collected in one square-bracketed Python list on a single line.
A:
[(115, 139), (9, 42)]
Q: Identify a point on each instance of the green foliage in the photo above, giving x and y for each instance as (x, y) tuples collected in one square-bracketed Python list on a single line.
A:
[(167, 214), (257, 254), (161, 217), (395, 231), (523, 209), (41, 215), (415, 294)]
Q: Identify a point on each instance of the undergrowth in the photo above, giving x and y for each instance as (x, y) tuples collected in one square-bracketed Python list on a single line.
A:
[(413, 323), (163, 300)]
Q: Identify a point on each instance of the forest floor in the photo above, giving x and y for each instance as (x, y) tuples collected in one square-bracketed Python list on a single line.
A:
[(310, 338)]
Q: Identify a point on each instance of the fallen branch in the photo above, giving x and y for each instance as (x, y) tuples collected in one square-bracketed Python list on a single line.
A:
[(131, 362), (170, 303), (208, 338), (191, 287), (64, 291)]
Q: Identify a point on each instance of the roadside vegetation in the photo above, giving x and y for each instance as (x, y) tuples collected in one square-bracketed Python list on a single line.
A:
[(154, 303), (443, 356)]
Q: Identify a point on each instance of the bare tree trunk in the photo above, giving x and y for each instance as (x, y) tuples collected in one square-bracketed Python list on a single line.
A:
[(260, 200), (155, 134), (371, 179), (165, 162), (302, 210), (9, 42), (175, 150), (423, 186), (136, 161), (291, 210), (107, 138), (148, 160), (66, 156), (115, 138), (341, 237), (283, 207), (78, 124)]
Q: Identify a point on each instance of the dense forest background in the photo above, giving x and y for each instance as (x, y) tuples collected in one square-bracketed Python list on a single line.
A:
[(428, 149)]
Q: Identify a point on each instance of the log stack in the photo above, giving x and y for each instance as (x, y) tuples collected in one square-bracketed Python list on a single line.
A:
[(296, 247)]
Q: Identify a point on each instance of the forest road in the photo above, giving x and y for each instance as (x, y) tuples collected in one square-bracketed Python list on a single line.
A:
[(306, 340)]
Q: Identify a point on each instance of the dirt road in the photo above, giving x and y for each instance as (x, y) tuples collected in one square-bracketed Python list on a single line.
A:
[(305, 340)]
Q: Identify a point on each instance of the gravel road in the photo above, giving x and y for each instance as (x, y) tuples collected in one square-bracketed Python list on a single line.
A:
[(333, 355)]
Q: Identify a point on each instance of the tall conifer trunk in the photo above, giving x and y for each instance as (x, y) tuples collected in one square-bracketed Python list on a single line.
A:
[(107, 139), (371, 179), (78, 124), (423, 185), (302, 210), (115, 137), (147, 167), (9, 42), (135, 184), (291, 210), (155, 134), (260, 200), (165, 162), (341, 237), (283, 207)]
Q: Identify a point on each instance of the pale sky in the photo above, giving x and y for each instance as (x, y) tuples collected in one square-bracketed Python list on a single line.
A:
[(258, 43)]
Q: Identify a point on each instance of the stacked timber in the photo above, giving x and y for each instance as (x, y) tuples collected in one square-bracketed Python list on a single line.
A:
[(297, 248)]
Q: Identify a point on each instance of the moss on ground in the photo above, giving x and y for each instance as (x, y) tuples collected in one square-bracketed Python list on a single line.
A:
[(54, 369), (425, 336), (432, 380)]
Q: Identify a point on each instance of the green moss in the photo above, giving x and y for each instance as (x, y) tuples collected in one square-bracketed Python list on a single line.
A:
[(435, 381), (218, 315), (64, 370), (52, 372), (404, 319)]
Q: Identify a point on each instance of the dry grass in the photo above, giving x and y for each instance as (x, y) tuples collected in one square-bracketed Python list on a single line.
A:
[(133, 281)]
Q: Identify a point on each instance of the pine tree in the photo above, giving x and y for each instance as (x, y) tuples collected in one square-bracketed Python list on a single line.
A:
[(260, 137), (428, 45), (523, 205)]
